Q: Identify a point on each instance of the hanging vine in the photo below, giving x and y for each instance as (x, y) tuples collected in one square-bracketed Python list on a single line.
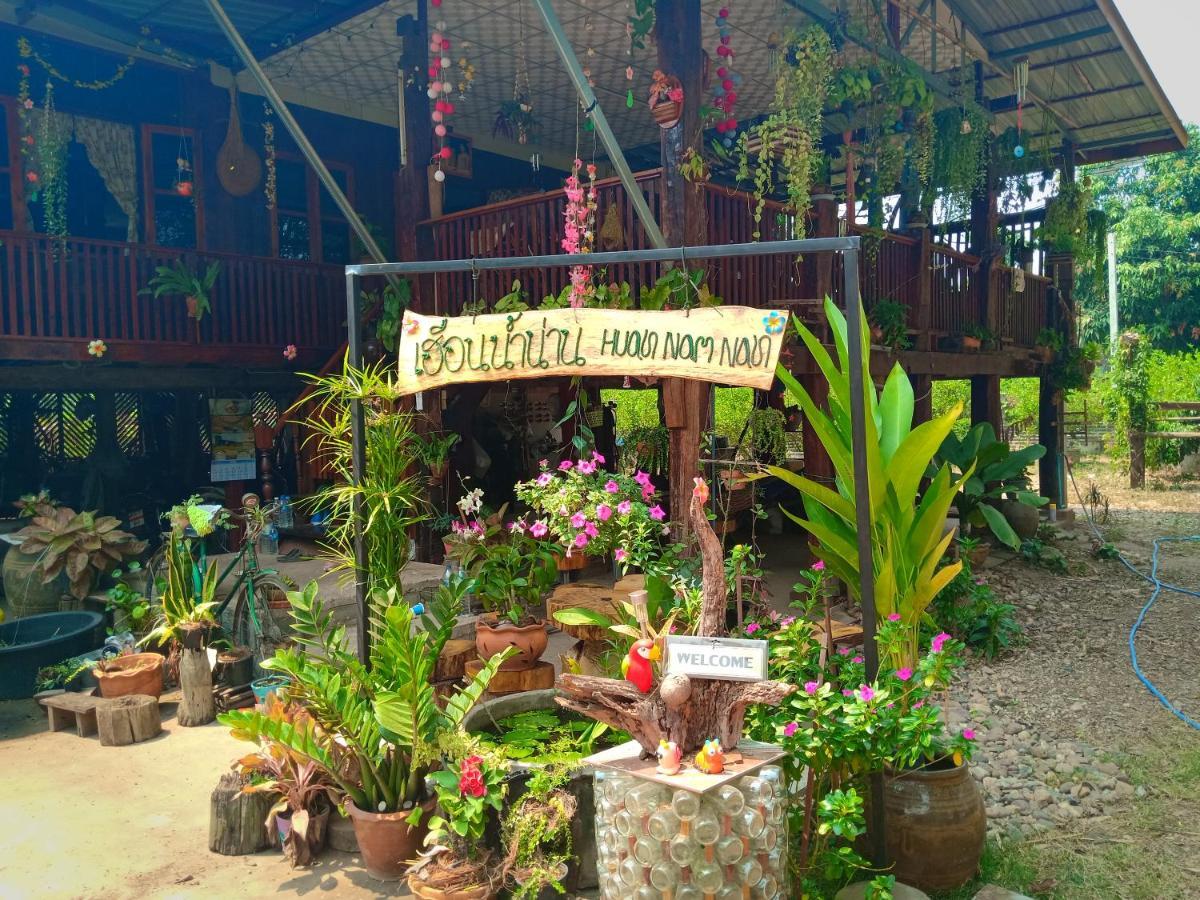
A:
[(787, 140), (52, 141), (268, 127), (26, 51)]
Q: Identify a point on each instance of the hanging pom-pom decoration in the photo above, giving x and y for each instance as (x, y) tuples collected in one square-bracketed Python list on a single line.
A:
[(724, 91), (629, 98)]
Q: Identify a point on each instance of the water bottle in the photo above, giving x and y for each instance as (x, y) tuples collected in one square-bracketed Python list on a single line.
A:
[(268, 544), (285, 516)]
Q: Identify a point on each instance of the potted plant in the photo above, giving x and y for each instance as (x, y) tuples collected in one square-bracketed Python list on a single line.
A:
[(1047, 343), (126, 604), (768, 438), (434, 451), (376, 728), (300, 815), (511, 571), (974, 550), (973, 336), (889, 325), (79, 547), (536, 834), (180, 280), (666, 99), (460, 867), (130, 673), (515, 121)]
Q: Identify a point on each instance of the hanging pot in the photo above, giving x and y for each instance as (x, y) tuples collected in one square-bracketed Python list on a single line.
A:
[(935, 826), (667, 113)]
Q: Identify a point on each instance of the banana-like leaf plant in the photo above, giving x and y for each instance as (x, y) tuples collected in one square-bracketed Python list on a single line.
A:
[(1000, 474), (908, 533), (374, 727)]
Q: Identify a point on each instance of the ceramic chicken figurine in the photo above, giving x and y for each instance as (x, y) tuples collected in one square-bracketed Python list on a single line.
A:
[(638, 666), (670, 758), (711, 758)]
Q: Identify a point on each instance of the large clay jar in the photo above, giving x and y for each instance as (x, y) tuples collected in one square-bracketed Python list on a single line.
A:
[(1023, 518), (530, 642), (936, 826), (137, 673), (24, 592), (386, 840)]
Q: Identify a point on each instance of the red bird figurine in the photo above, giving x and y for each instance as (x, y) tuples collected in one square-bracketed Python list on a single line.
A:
[(638, 666)]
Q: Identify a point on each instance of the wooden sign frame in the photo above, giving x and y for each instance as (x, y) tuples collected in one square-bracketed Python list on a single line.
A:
[(733, 345)]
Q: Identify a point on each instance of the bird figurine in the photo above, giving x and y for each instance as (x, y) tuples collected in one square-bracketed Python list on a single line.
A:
[(711, 758), (638, 666), (670, 757)]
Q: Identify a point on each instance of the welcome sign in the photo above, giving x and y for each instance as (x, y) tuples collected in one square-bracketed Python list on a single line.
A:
[(734, 345), (724, 659)]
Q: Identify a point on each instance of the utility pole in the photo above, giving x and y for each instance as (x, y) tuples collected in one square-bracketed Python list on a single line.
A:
[(1113, 324)]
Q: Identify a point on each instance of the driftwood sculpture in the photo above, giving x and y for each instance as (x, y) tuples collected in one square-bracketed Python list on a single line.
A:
[(688, 711)]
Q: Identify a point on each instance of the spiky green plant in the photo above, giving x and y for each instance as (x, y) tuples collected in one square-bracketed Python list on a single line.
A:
[(374, 726), (908, 534)]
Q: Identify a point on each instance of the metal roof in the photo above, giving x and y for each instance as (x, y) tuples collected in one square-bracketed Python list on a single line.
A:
[(1091, 81)]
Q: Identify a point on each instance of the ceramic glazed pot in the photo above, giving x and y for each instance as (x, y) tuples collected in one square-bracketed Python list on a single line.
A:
[(138, 673), (491, 637), (936, 826), (387, 842)]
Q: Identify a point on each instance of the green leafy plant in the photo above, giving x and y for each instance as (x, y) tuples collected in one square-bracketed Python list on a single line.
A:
[(62, 673), (969, 610), (178, 279), (1050, 338), (768, 440), (906, 521), (466, 789), (512, 571), (959, 155), (1073, 366), (995, 473), (79, 545), (551, 737), (391, 303), (181, 604), (128, 606), (889, 323), (375, 726), (645, 448), (536, 834), (1036, 551)]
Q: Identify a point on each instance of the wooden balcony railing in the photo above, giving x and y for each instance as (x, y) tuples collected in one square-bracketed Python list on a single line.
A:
[(60, 294), (892, 266)]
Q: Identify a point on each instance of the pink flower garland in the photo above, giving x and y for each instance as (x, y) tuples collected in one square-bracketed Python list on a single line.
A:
[(579, 228)]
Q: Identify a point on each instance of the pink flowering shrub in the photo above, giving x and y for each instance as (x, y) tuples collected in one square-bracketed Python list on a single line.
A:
[(591, 510)]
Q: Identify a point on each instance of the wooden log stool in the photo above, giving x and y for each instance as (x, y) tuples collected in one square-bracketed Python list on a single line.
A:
[(513, 681), (592, 641), (451, 664), (128, 720), (65, 710), (237, 821)]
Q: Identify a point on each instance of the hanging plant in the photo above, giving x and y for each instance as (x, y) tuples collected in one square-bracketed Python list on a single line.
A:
[(26, 51), (786, 140), (268, 126), (959, 157), (515, 121), (1074, 225), (666, 99), (51, 142)]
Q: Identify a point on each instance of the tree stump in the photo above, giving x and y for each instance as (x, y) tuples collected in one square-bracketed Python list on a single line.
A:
[(237, 821), (196, 707), (128, 720), (451, 664)]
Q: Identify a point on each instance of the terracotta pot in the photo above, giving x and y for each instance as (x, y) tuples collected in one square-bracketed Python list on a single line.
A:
[(666, 113), (572, 563), (420, 889), (876, 334), (138, 673), (491, 637), (979, 555), (936, 826), (1044, 354), (387, 842), (971, 343)]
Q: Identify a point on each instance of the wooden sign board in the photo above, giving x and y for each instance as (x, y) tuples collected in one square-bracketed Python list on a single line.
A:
[(734, 345), (721, 659)]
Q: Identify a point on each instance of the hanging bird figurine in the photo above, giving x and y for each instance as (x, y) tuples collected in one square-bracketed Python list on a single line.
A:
[(711, 758), (638, 666), (670, 758)]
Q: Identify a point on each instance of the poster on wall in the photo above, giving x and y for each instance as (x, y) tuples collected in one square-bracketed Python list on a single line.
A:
[(231, 425), (732, 345)]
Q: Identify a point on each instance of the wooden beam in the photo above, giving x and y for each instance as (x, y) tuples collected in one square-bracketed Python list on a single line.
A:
[(55, 377), (912, 24), (1059, 40), (1064, 61), (165, 353), (1099, 92)]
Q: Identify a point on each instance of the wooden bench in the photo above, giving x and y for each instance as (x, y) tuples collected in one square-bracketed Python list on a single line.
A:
[(65, 710)]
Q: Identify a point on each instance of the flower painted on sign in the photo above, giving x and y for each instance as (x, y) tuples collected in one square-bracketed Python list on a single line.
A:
[(411, 325), (774, 322)]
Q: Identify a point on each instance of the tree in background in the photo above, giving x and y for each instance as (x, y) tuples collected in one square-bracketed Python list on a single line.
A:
[(1154, 207)]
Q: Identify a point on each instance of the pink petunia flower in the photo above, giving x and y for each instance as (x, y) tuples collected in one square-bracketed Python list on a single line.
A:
[(597, 458), (604, 512), (843, 651), (818, 566), (657, 513), (904, 674), (624, 507), (619, 554), (642, 478), (611, 486), (590, 529), (565, 466), (811, 687), (752, 627), (578, 520), (857, 659), (648, 491), (790, 728), (538, 529), (544, 479), (542, 463), (846, 692), (894, 617), (585, 467), (581, 540)]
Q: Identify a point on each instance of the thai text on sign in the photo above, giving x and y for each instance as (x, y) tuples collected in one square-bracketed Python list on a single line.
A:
[(733, 345), (730, 659)]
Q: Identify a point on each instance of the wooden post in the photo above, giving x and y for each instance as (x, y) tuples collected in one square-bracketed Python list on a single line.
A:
[(414, 242), (196, 706), (684, 223), (1060, 317), (922, 386), (985, 401), (1137, 459), (817, 464), (237, 821), (923, 321)]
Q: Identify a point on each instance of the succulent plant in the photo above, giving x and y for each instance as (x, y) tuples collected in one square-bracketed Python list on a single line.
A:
[(81, 544)]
